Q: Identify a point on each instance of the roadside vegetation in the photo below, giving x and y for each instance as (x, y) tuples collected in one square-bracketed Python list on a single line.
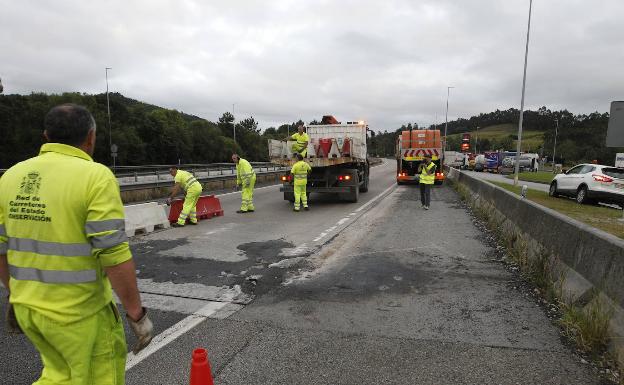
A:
[(603, 218), (544, 177)]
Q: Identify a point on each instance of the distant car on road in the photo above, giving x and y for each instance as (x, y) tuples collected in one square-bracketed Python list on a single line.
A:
[(590, 183)]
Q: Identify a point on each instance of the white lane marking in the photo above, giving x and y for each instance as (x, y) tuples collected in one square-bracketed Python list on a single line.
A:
[(346, 219), (343, 220), (255, 189), (321, 236), (175, 331), (370, 202)]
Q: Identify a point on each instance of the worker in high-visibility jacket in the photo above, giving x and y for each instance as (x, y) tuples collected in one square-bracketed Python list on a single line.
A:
[(301, 141), (186, 181), (300, 171), (245, 178), (426, 180), (63, 246)]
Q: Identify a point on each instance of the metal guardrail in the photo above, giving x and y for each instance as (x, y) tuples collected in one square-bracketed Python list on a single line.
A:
[(150, 169), (167, 181)]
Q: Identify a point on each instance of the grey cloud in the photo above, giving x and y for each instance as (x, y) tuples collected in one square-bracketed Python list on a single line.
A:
[(386, 62)]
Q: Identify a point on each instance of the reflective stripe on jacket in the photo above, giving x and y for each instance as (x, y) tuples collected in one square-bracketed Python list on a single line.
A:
[(301, 140), (187, 180), (426, 178), (244, 172), (300, 170), (61, 223)]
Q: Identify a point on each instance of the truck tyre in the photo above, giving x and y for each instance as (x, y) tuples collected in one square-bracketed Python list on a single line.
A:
[(355, 194), (364, 186), (289, 196)]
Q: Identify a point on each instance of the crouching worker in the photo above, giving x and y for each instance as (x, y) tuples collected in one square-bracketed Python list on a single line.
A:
[(186, 181)]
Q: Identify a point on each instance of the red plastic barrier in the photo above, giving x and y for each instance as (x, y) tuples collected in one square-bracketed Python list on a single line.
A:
[(346, 147), (208, 206), (324, 147), (175, 210)]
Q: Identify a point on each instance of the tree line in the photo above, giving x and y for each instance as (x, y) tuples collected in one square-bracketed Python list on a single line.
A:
[(581, 138), (143, 133), (148, 134)]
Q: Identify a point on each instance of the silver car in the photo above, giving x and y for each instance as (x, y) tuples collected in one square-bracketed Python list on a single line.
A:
[(591, 183)]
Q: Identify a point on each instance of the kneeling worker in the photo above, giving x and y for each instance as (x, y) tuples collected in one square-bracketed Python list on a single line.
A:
[(302, 139), (186, 181), (245, 177), (300, 171)]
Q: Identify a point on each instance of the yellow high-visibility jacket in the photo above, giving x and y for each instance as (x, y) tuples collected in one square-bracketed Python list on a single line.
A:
[(187, 181), (244, 172), (301, 170), (301, 141), (426, 178), (61, 223)]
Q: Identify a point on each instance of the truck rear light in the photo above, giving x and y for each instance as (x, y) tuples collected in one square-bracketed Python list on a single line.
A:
[(286, 178), (344, 177), (602, 178)]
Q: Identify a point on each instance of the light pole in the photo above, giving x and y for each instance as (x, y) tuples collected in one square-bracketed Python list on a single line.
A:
[(234, 123), (110, 128), (555, 147), (526, 57), (448, 92), (477, 141)]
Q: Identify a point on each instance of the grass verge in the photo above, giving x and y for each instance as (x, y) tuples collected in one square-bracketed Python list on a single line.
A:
[(603, 218), (544, 177)]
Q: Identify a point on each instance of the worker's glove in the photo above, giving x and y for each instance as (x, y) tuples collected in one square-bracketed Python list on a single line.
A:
[(168, 201), (142, 329), (11, 321)]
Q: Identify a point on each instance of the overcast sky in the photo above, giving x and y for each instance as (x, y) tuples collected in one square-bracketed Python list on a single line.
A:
[(388, 62)]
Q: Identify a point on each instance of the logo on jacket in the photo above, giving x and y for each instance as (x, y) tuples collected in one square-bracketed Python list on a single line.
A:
[(31, 183)]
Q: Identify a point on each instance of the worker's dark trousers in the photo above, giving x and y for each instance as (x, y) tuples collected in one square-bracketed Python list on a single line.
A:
[(425, 194)]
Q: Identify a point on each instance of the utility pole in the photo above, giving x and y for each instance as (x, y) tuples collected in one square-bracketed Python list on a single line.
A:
[(526, 57), (555, 147), (448, 91), (477, 141), (234, 123), (110, 127)]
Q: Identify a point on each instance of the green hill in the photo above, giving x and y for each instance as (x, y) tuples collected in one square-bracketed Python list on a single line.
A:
[(501, 136)]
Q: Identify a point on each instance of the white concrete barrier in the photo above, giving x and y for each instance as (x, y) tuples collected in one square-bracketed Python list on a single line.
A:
[(145, 217)]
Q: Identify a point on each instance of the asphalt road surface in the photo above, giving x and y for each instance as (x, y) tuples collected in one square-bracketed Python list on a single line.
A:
[(379, 291)]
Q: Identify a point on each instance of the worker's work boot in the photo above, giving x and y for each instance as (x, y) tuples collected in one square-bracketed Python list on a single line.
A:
[(176, 224), (296, 210), (306, 208)]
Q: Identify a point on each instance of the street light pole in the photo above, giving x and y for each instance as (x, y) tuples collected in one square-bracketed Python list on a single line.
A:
[(234, 123), (477, 141), (526, 57), (110, 127), (448, 91), (555, 147)]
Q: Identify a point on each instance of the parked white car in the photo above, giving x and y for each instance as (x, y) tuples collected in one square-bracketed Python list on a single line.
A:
[(590, 183)]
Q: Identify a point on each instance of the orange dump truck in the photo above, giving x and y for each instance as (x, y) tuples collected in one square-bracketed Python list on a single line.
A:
[(411, 148)]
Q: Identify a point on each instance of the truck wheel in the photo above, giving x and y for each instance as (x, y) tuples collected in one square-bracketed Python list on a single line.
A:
[(289, 196), (355, 195), (364, 186)]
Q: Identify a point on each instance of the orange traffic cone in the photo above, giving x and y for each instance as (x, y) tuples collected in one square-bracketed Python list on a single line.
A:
[(200, 368)]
